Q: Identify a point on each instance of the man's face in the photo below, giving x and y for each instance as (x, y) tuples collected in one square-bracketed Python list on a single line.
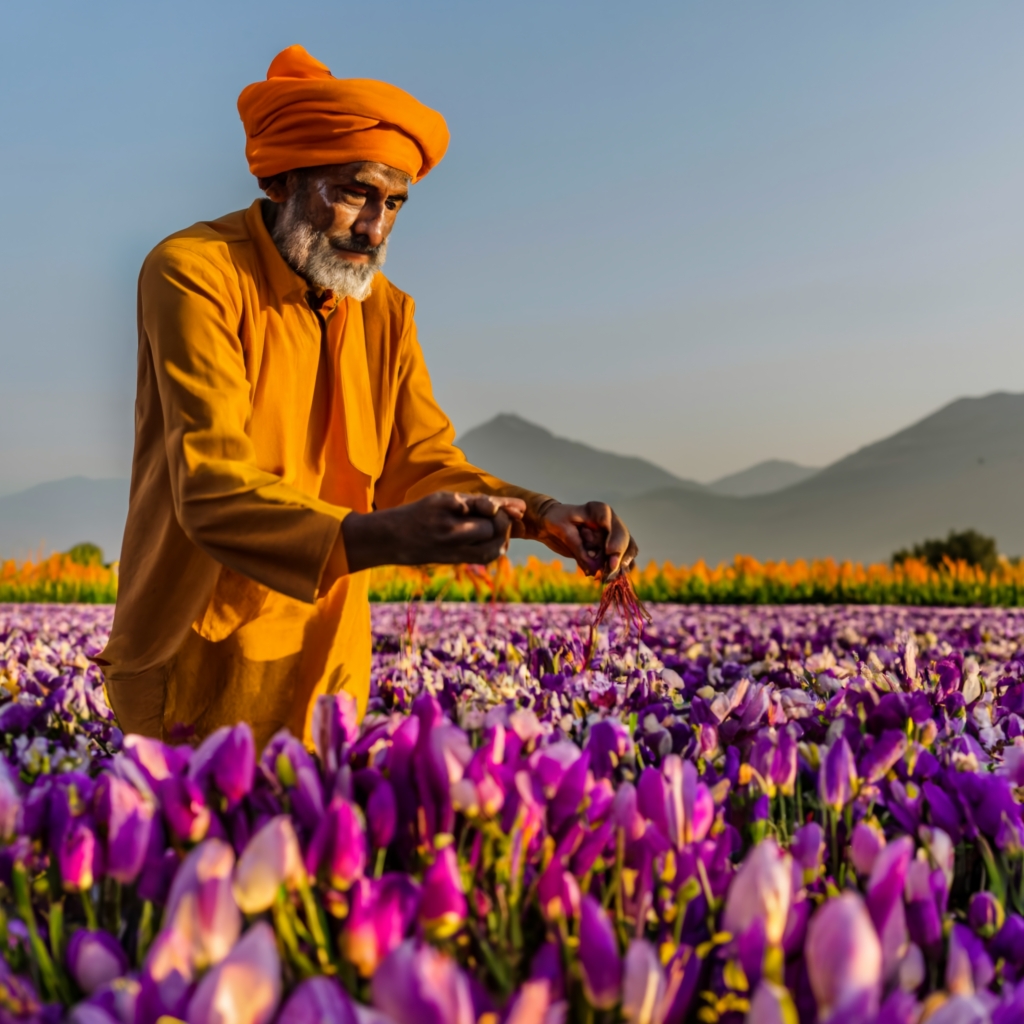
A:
[(332, 223)]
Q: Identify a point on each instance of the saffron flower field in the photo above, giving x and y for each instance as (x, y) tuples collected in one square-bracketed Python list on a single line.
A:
[(774, 814), (742, 581)]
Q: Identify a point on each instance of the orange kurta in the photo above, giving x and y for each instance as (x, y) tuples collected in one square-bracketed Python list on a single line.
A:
[(261, 421)]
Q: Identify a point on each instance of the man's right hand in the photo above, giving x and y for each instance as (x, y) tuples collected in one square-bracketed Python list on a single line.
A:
[(442, 527)]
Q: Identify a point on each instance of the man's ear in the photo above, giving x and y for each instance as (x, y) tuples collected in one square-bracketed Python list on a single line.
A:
[(276, 187)]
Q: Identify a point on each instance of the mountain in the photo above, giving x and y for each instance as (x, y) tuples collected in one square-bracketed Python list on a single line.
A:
[(961, 467), (55, 515), (530, 456), (763, 478)]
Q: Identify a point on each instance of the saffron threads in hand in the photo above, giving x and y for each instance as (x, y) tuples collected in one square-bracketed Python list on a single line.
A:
[(621, 594)]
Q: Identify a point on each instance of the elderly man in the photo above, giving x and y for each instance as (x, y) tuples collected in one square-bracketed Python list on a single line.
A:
[(287, 439)]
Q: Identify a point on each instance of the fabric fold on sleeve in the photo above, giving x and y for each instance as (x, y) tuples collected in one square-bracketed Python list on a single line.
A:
[(246, 518)]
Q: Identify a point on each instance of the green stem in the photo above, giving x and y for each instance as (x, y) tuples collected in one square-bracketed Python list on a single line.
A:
[(52, 983), (318, 926), (378, 868), (57, 930), (90, 910), (145, 937), (284, 926)]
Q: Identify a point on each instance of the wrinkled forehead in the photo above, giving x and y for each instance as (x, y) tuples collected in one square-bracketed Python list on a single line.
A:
[(365, 172)]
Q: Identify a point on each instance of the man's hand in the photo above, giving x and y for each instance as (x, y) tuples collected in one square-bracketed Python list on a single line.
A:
[(442, 527), (592, 534)]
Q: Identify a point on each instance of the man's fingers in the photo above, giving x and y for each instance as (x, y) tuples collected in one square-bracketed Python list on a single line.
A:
[(472, 530), (616, 548), (600, 515), (490, 505)]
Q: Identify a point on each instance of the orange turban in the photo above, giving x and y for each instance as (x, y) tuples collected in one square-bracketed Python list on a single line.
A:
[(302, 116)]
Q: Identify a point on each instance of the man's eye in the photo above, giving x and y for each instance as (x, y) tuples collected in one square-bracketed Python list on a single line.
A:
[(391, 204)]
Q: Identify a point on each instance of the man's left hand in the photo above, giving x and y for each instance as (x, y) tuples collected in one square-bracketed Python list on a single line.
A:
[(592, 534)]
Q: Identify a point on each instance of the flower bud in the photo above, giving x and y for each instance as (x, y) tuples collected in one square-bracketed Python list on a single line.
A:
[(95, 958), (271, 859), (319, 1000), (599, 956), (985, 914), (760, 891), (201, 906), (844, 957), (245, 987), (443, 904)]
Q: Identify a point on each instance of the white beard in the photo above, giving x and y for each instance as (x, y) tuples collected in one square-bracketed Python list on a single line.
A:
[(310, 254)]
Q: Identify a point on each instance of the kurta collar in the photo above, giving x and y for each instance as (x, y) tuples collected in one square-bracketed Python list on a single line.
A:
[(283, 281)]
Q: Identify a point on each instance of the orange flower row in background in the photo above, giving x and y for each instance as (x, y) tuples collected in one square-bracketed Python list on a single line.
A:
[(743, 581)]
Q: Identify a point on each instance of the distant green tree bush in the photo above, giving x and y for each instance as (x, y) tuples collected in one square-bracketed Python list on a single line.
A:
[(968, 546), (86, 553)]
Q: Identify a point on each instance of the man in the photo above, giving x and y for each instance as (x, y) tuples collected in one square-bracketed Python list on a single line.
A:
[(287, 438)]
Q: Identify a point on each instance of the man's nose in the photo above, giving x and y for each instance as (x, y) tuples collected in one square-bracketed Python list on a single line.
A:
[(371, 225)]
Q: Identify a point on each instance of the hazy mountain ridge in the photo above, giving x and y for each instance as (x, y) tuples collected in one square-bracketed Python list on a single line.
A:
[(531, 456), (55, 515), (962, 466), (762, 478)]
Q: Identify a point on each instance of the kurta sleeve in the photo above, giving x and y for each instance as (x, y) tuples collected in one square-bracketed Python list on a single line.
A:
[(422, 457), (244, 517)]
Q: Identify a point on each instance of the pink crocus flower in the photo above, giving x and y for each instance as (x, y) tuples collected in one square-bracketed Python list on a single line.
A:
[(245, 987), (201, 905), (271, 859), (844, 958)]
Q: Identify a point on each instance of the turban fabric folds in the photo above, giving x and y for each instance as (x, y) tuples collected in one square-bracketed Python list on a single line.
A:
[(302, 116)]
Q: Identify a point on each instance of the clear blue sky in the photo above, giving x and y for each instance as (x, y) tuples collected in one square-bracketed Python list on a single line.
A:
[(707, 233)]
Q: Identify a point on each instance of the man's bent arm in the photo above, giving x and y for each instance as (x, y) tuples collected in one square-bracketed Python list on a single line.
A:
[(244, 517)]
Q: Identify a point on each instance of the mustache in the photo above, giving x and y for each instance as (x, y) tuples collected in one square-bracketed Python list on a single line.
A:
[(355, 243)]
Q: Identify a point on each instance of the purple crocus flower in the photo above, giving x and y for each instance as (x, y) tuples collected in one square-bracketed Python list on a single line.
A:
[(968, 965), (334, 725), (417, 984), (10, 804), (837, 776), (227, 758), (644, 984), (760, 893), (558, 893), (319, 1000), (924, 918), (338, 846), (985, 914), (165, 985), (185, 808), (443, 904), (599, 956), (157, 760), (808, 845), (690, 809), (885, 900), (381, 912), (547, 965), (844, 958), (78, 855), (126, 818), (878, 760), (866, 843), (271, 859), (609, 744), (201, 906), (772, 1004), (381, 814), (95, 958)]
